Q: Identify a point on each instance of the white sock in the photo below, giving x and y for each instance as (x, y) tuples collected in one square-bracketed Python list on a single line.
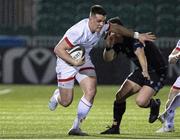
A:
[(169, 122), (56, 94), (175, 103), (84, 107)]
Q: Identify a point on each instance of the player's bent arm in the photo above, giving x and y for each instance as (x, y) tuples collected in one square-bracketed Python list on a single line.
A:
[(143, 61), (109, 54), (61, 51), (174, 56)]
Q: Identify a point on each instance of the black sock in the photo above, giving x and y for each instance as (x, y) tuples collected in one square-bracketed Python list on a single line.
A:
[(118, 111)]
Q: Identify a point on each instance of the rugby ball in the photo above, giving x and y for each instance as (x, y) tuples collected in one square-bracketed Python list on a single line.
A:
[(77, 52)]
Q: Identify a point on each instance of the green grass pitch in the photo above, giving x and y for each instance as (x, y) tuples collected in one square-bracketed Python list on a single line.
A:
[(24, 114)]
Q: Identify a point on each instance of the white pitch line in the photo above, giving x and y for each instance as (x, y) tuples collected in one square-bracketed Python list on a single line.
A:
[(5, 91)]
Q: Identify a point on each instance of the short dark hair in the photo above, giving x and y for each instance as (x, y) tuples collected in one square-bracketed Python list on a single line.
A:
[(97, 9), (115, 20)]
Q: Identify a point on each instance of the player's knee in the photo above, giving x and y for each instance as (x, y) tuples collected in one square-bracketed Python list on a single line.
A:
[(119, 98), (91, 92), (65, 103), (141, 102)]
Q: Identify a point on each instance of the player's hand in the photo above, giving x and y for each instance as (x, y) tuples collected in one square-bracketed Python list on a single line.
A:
[(174, 58), (146, 74), (110, 40), (178, 56), (79, 62), (146, 37)]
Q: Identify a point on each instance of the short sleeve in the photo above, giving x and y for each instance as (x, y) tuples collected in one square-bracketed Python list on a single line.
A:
[(72, 37), (137, 44)]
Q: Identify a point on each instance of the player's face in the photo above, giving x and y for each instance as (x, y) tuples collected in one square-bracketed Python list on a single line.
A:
[(115, 38), (118, 38), (97, 22)]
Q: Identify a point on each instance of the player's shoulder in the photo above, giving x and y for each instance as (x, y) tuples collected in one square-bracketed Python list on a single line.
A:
[(81, 24), (79, 27)]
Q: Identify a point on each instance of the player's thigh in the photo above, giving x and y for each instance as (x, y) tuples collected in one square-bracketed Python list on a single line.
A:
[(65, 78), (86, 77), (127, 89), (88, 86), (130, 86), (88, 82)]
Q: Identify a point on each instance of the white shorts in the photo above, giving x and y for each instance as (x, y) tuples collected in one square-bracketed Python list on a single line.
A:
[(176, 84), (67, 74)]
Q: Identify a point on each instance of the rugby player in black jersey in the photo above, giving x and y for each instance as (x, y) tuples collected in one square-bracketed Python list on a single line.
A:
[(146, 80)]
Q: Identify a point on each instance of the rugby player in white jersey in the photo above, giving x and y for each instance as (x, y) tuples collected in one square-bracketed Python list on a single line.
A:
[(85, 33), (167, 117)]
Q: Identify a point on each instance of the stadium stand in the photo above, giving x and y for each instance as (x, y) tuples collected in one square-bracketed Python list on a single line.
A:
[(177, 26), (145, 7), (54, 17), (165, 25), (165, 8), (177, 10), (82, 11), (127, 14), (152, 18), (145, 21)]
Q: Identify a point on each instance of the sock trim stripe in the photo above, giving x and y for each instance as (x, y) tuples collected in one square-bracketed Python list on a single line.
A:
[(85, 103)]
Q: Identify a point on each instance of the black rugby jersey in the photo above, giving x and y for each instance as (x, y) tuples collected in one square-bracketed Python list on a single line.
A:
[(155, 59)]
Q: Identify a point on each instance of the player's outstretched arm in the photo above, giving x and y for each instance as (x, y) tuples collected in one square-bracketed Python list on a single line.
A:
[(142, 37), (146, 37)]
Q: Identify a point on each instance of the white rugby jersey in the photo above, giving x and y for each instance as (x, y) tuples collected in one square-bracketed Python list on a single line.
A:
[(178, 46), (80, 34)]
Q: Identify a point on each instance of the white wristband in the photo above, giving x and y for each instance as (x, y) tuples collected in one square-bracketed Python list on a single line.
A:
[(136, 35)]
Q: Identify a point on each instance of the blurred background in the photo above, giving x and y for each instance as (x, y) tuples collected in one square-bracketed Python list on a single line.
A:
[(29, 30)]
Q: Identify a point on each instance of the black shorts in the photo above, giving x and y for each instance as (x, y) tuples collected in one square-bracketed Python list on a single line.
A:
[(156, 79)]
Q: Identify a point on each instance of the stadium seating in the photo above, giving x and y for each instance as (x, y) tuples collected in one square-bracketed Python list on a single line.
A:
[(82, 11), (146, 18), (145, 7), (58, 15), (177, 10), (145, 28), (127, 14), (168, 2), (7, 30), (111, 10), (159, 16), (177, 26), (165, 8), (166, 25)]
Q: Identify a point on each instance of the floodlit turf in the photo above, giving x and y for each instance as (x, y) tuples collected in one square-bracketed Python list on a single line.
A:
[(24, 114)]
